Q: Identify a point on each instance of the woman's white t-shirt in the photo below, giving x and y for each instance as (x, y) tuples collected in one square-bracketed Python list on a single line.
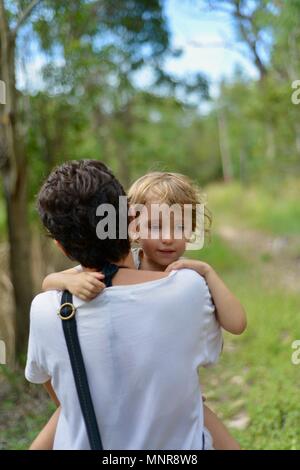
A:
[(142, 345)]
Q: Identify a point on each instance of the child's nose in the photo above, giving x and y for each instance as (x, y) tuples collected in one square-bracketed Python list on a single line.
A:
[(167, 239)]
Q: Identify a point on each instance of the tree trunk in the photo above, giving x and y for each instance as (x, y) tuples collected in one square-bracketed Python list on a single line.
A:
[(297, 137), (20, 256), (224, 146), (124, 144), (14, 171), (270, 142)]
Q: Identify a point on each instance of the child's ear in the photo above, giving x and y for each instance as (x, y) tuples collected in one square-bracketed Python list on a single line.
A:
[(133, 229), (133, 233)]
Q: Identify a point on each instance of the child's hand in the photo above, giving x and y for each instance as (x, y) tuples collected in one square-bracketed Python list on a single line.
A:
[(199, 266), (85, 285)]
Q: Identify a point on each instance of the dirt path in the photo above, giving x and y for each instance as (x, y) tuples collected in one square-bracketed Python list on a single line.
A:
[(277, 258)]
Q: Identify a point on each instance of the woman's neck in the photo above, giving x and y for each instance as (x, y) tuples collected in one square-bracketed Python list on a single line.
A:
[(126, 262)]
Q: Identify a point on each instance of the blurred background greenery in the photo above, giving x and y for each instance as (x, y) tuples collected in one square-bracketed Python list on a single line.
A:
[(199, 87)]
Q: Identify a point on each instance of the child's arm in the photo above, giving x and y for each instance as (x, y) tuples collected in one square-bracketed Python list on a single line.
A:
[(45, 439), (229, 311), (86, 285), (222, 440)]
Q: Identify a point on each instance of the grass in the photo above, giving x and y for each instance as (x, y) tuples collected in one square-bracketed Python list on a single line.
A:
[(220, 255), (23, 433), (262, 360), (25, 409)]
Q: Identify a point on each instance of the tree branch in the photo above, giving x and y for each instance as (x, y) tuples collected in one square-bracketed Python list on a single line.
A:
[(219, 45), (247, 27), (230, 8), (25, 14), (252, 44), (3, 20)]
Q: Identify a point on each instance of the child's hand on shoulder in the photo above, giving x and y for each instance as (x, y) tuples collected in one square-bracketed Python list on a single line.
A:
[(85, 285), (199, 266)]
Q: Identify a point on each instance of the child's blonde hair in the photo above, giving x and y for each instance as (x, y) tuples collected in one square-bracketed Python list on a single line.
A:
[(170, 188)]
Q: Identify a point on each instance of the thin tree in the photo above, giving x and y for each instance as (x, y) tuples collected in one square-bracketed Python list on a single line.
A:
[(13, 164)]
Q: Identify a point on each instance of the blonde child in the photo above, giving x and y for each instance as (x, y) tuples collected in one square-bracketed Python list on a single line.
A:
[(160, 253)]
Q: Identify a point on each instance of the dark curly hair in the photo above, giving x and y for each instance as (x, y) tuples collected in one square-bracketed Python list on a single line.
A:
[(67, 204)]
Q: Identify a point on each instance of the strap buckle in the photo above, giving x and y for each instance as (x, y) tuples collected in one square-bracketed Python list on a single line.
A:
[(71, 315)]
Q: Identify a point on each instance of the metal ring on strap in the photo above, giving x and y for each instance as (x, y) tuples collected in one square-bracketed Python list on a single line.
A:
[(73, 311)]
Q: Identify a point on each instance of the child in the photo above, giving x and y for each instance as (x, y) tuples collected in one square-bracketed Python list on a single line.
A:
[(159, 254)]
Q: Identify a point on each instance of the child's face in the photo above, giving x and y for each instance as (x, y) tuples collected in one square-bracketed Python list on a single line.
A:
[(164, 244)]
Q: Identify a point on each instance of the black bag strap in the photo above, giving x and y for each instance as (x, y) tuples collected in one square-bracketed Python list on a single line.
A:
[(67, 313), (109, 270)]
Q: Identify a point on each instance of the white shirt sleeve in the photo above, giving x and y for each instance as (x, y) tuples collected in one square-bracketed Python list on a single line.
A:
[(213, 332), (214, 342), (34, 372)]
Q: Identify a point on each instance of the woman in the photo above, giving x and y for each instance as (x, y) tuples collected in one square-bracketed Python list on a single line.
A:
[(141, 346)]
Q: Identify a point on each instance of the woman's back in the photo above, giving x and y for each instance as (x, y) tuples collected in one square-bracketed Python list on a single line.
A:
[(142, 345)]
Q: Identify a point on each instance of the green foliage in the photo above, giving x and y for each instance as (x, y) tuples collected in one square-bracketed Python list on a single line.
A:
[(92, 104)]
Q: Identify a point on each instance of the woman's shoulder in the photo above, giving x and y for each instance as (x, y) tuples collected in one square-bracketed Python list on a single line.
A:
[(191, 276), (44, 305), (194, 285)]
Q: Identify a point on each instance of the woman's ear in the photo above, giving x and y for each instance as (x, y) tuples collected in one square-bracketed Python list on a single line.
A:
[(60, 247)]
